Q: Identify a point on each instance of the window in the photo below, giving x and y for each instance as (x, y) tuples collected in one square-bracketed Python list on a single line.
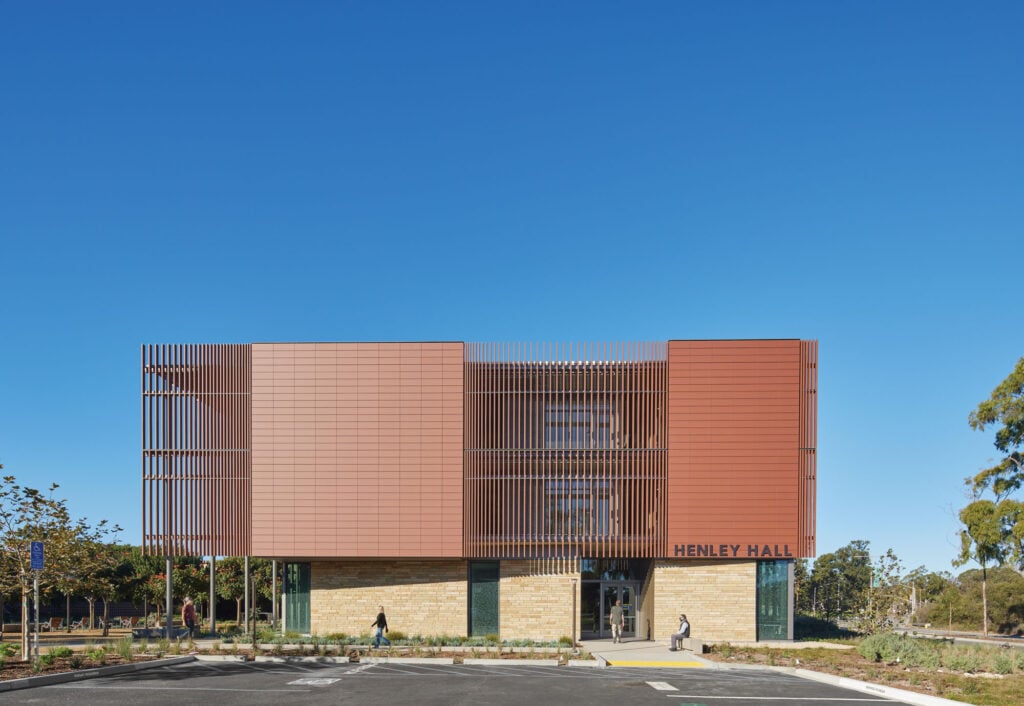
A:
[(576, 508), (484, 585), (773, 591), (577, 426)]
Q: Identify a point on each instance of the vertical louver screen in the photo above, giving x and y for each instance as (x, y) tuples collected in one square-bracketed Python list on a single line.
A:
[(808, 445), (196, 449), (565, 450)]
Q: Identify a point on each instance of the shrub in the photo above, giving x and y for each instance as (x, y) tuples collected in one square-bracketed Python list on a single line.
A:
[(76, 661), (565, 641), (61, 652), (97, 654), (396, 635), (892, 648), (8, 650), (808, 627), (47, 659), (124, 648), (1002, 663), (960, 660)]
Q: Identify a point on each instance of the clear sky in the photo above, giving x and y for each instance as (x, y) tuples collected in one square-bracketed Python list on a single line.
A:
[(547, 171)]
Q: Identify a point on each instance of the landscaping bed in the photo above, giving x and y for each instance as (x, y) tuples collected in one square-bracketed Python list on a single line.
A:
[(986, 676)]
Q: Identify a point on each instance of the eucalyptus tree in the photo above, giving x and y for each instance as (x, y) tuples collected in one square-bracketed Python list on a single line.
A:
[(1000, 484)]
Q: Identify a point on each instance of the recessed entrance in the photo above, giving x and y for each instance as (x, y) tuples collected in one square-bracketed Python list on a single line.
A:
[(598, 599)]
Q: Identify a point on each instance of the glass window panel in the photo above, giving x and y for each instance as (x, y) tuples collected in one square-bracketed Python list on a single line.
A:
[(484, 581), (772, 600)]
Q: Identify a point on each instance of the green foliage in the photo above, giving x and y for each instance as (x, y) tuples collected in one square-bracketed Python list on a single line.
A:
[(961, 660), (565, 641), (47, 659), (396, 635), (999, 523), (61, 652), (809, 627), (1003, 663), (27, 515), (888, 598), (125, 648), (8, 649), (892, 648), (839, 582), (97, 654), (75, 661)]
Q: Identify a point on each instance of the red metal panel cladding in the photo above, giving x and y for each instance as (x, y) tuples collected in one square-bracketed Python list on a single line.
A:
[(741, 441), (358, 449)]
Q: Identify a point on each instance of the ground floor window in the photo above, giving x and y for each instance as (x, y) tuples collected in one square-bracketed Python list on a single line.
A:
[(773, 600), (296, 598), (484, 581)]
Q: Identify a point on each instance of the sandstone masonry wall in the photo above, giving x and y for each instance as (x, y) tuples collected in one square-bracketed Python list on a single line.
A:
[(536, 603), (718, 597), (420, 597)]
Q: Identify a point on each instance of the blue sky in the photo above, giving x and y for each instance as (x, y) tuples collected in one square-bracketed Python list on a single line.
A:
[(236, 172)]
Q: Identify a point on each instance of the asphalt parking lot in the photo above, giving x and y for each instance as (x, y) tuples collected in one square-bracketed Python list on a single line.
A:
[(242, 684)]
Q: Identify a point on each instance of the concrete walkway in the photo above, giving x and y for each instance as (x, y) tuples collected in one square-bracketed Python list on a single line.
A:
[(643, 653)]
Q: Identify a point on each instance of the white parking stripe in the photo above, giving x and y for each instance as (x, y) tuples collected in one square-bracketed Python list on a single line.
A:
[(661, 686), (119, 687)]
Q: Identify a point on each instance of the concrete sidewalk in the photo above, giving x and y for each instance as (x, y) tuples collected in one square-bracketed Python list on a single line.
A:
[(643, 653)]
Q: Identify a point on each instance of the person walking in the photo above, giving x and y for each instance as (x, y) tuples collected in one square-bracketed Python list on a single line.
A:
[(381, 623), (188, 617), (684, 631), (616, 619)]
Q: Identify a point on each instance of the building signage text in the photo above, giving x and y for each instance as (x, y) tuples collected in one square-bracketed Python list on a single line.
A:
[(733, 550)]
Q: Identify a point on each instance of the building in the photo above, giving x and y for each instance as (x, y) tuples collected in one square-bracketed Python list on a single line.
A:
[(473, 489)]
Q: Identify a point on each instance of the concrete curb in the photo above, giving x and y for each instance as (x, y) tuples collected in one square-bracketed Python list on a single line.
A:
[(598, 663), (314, 659), (63, 677), (221, 658), (907, 697), (511, 662), (406, 660)]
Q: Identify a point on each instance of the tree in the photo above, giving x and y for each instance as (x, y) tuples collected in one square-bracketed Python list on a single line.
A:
[(28, 515), (889, 596), (230, 582), (981, 541), (190, 577), (840, 580), (230, 577), (1004, 409), (103, 570)]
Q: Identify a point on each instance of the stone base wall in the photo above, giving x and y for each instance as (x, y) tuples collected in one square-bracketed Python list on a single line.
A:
[(718, 597), (645, 613), (536, 600), (420, 597)]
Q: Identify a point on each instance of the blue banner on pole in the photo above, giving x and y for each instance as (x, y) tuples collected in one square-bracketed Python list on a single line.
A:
[(37, 556)]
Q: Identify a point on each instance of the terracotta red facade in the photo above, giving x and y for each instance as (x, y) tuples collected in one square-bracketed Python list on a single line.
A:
[(640, 450)]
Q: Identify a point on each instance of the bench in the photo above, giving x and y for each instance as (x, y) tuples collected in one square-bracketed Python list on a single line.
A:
[(692, 644)]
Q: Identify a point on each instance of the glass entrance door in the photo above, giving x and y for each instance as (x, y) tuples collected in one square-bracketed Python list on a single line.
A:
[(599, 598)]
